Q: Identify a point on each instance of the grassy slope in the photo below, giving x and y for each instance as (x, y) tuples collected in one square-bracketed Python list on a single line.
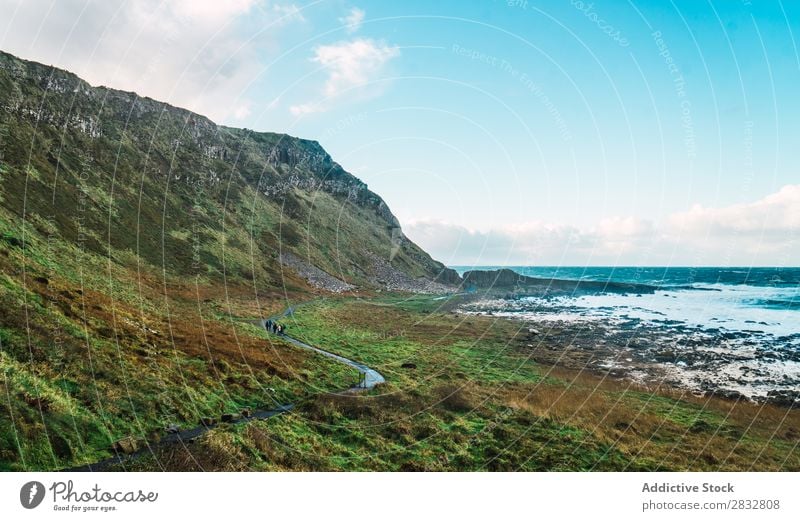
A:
[(476, 402), (90, 354), (134, 239)]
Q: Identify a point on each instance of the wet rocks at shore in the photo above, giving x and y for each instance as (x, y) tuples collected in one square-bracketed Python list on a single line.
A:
[(735, 365)]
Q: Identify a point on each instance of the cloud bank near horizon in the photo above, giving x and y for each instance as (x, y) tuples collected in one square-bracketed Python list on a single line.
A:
[(764, 232)]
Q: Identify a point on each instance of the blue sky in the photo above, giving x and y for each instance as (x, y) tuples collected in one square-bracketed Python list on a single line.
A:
[(499, 132)]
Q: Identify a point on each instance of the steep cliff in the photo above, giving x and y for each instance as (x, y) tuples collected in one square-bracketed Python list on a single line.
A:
[(130, 174)]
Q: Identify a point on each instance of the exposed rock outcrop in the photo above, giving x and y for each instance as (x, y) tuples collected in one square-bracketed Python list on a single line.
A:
[(389, 277), (314, 276)]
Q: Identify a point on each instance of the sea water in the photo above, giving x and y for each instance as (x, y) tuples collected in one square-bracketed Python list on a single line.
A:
[(752, 314)]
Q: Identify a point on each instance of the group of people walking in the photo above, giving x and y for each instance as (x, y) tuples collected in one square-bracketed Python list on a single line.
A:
[(274, 327)]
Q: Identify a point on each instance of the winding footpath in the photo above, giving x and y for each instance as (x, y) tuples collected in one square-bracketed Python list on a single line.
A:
[(369, 379)]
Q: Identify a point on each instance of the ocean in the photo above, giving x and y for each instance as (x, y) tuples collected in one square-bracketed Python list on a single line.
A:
[(734, 328)]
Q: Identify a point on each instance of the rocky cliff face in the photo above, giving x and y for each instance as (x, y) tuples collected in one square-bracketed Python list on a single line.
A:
[(43, 95), (196, 183), (503, 278)]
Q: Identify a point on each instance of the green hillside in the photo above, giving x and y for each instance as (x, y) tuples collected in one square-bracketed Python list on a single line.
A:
[(138, 238)]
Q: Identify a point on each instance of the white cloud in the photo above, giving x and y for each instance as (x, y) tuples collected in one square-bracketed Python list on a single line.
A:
[(348, 65), (764, 232), (528, 243), (767, 230), (353, 20), (624, 227), (198, 54), (211, 10), (352, 63), (303, 109), (775, 213)]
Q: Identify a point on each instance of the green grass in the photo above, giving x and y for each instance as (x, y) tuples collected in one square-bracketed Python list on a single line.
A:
[(476, 402), (74, 382)]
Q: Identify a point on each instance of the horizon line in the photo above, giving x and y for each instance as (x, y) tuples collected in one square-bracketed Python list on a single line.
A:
[(453, 266)]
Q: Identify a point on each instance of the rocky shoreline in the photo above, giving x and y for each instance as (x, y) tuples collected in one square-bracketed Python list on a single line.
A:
[(737, 365)]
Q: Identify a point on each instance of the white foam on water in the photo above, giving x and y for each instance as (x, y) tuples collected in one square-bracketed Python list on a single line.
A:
[(732, 308), (705, 315)]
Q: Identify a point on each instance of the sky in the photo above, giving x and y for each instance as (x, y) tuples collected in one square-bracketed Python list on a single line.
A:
[(500, 132)]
